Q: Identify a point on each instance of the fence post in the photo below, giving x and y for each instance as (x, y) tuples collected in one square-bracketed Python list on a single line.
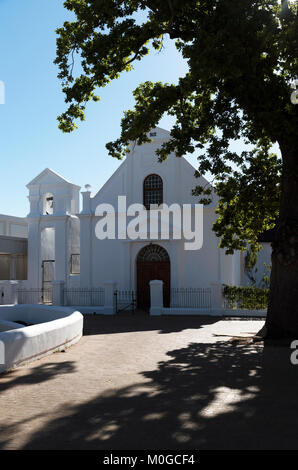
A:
[(14, 285), (156, 297), (217, 300), (109, 305), (9, 292), (58, 292)]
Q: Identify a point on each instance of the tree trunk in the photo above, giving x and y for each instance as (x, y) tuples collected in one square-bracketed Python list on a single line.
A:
[(282, 316)]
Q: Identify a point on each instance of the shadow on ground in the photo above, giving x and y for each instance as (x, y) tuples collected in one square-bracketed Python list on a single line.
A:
[(205, 396), (129, 322), (36, 374)]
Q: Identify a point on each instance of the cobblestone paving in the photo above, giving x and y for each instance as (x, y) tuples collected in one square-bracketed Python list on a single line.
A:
[(135, 382)]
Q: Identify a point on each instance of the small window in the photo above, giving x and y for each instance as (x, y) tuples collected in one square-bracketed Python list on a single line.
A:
[(152, 134), (74, 264), (48, 204), (153, 191)]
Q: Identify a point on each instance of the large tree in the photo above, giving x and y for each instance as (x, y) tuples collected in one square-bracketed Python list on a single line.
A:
[(242, 58)]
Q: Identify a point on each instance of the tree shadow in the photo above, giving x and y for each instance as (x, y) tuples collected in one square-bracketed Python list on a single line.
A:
[(103, 324), (36, 374), (205, 396)]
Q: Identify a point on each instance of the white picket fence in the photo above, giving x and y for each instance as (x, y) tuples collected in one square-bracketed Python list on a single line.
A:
[(110, 300), (191, 297), (84, 296)]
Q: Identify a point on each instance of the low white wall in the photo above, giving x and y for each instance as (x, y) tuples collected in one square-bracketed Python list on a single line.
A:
[(54, 328), (214, 312), (244, 313), (186, 311)]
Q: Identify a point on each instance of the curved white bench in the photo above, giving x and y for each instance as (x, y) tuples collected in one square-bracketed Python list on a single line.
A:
[(52, 329)]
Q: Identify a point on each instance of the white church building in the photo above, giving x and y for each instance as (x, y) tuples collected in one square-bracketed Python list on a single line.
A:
[(63, 242)]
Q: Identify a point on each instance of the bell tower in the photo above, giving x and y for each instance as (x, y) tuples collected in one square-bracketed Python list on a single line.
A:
[(54, 228)]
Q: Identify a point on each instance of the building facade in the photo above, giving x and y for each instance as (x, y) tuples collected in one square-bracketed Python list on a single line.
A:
[(13, 247), (113, 239), (69, 245)]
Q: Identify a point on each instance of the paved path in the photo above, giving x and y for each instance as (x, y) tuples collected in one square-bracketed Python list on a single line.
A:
[(154, 383)]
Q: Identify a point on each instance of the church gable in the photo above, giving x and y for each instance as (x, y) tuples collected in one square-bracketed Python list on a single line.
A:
[(112, 187), (49, 177), (177, 176), (159, 134)]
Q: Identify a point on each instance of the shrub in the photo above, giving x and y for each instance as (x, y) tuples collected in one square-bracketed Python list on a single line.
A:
[(251, 298)]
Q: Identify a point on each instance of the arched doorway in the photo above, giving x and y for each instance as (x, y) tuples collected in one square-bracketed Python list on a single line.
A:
[(153, 262)]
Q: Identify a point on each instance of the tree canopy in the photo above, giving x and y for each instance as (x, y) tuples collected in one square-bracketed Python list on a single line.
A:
[(242, 59)]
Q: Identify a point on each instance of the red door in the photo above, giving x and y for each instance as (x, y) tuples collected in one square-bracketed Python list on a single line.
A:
[(149, 271)]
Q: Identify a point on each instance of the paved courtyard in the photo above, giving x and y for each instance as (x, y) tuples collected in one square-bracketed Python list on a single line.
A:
[(136, 382)]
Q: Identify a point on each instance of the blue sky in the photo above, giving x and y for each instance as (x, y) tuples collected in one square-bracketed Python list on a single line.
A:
[(29, 136)]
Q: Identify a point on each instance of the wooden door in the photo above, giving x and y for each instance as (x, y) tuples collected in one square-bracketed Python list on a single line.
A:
[(48, 275), (149, 271)]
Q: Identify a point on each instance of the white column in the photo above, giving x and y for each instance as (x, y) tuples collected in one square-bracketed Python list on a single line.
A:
[(58, 292), (156, 297), (14, 292), (61, 252), (216, 298), (13, 267), (86, 195), (86, 235), (109, 305), (34, 262)]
